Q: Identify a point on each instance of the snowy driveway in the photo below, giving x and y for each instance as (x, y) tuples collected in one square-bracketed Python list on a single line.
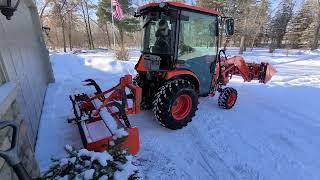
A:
[(273, 132)]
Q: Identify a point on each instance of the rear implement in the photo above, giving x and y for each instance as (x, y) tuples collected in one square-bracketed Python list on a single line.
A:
[(103, 116)]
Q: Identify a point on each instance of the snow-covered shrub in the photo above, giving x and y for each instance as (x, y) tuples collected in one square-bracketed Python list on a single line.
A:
[(122, 54), (86, 165)]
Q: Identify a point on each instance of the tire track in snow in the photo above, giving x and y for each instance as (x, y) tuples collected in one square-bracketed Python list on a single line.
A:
[(216, 127), (212, 162), (259, 148), (288, 137)]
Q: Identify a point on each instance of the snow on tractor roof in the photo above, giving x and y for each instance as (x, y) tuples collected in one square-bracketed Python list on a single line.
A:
[(182, 6)]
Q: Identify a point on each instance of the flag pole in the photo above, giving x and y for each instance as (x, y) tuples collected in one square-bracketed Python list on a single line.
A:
[(112, 20)]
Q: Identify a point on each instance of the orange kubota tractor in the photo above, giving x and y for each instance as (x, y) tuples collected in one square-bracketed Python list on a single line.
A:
[(180, 61)]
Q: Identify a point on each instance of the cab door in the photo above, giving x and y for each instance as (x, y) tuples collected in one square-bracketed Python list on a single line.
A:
[(197, 46)]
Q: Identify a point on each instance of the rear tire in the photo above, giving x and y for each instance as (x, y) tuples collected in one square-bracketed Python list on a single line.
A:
[(228, 98), (175, 104), (137, 80)]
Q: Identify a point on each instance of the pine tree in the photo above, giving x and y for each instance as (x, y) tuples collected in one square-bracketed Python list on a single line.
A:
[(279, 23), (298, 25), (315, 26), (84, 164)]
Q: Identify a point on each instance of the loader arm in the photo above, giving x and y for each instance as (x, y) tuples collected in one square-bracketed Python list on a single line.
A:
[(236, 65)]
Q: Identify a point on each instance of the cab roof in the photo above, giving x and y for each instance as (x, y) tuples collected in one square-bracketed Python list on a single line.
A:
[(179, 5)]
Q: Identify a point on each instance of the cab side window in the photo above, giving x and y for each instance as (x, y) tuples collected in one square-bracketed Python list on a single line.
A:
[(197, 36)]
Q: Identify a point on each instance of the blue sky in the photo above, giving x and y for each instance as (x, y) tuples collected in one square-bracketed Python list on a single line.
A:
[(274, 3)]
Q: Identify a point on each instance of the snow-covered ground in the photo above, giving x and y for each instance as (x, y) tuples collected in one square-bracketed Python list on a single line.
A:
[(273, 132)]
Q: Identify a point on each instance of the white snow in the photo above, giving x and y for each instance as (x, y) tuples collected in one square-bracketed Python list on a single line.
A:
[(106, 116), (103, 177), (68, 147), (64, 161), (273, 132), (88, 174), (101, 157), (127, 170), (96, 131), (119, 134), (110, 122)]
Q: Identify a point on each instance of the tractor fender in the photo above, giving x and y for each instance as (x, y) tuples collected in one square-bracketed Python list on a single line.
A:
[(139, 67), (184, 74)]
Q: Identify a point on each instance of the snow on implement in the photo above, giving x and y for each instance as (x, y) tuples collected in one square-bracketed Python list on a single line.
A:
[(102, 117)]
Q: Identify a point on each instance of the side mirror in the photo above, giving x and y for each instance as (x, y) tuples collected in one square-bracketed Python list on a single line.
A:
[(229, 26)]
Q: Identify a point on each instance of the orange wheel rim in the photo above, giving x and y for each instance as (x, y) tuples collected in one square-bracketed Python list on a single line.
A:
[(181, 107), (232, 98)]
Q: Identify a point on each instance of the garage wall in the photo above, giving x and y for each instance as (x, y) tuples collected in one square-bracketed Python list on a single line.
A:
[(26, 62), (25, 74)]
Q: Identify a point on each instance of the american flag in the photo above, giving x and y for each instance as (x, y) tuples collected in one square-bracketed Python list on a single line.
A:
[(117, 13)]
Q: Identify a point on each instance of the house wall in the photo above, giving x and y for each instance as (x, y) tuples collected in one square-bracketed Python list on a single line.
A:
[(27, 72)]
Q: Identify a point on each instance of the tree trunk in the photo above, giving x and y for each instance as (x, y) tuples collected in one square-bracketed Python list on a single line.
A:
[(64, 36), (43, 9), (315, 41), (86, 24), (121, 38), (242, 44), (221, 35), (314, 44), (272, 46), (243, 36), (57, 40), (108, 36), (278, 42), (70, 31), (226, 43), (89, 25)]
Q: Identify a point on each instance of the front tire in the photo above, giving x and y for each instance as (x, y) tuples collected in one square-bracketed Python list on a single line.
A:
[(175, 104), (228, 98)]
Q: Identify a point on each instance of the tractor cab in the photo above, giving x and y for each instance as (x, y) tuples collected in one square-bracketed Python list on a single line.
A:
[(178, 36)]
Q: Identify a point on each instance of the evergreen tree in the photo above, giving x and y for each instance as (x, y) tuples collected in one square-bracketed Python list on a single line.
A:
[(279, 23), (308, 36), (298, 25), (84, 164), (315, 26)]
